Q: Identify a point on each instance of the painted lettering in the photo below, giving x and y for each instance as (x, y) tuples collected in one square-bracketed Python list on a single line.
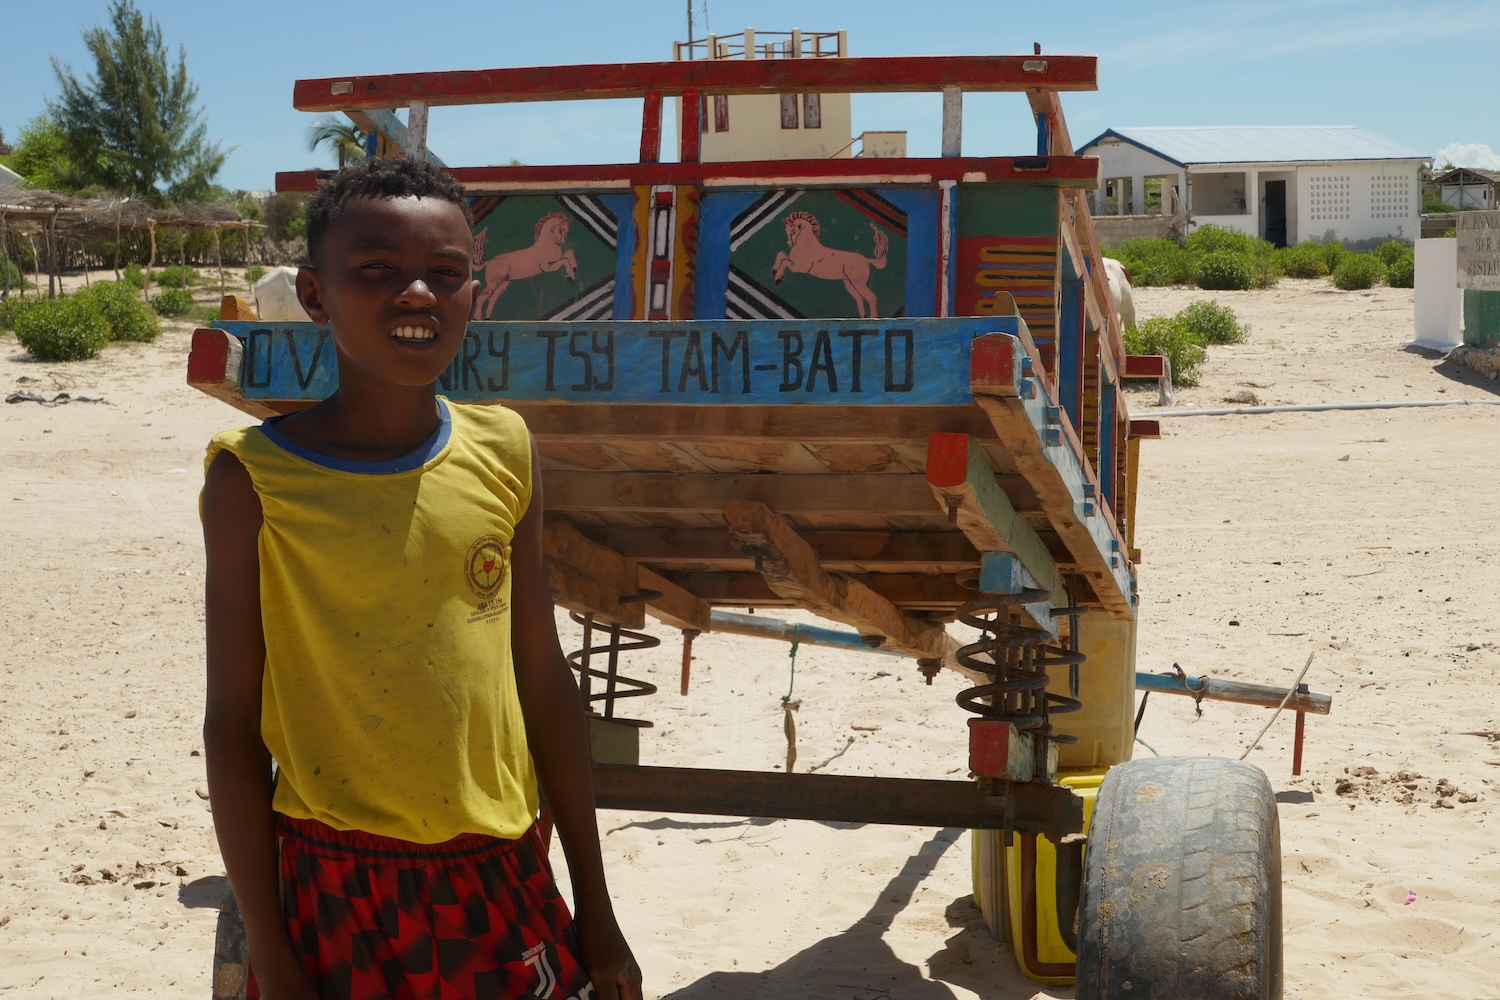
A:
[(503, 353), (469, 353), (666, 337), (907, 362), (552, 337), (822, 361), (305, 377), (693, 363), (259, 344), (587, 382), (740, 345), (856, 355), (791, 361)]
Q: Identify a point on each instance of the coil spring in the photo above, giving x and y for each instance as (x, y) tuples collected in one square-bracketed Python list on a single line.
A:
[(1018, 657), (618, 639)]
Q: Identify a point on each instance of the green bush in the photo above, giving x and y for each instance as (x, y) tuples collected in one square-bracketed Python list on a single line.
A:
[(1333, 252), (1402, 273), (1154, 262), (1169, 336), (120, 303), (254, 273), (1357, 271), (1304, 260), (1224, 269), (1213, 323), (1391, 250), (134, 274), (173, 302), (175, 276), (1209, 240), (10, 308), (66, 329), (17, 277)]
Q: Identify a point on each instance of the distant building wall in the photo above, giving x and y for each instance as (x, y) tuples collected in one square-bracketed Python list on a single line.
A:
[(1354, 201), (1116, 229)]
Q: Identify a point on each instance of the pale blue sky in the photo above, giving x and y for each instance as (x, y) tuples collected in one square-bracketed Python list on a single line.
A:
[(1408, 71)]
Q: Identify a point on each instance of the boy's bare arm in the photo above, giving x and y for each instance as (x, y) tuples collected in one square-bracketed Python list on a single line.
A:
[(557, 734), (239, 767)]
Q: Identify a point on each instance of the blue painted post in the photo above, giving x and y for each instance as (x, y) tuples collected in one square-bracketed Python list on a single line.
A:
[(1070, 350), (1107, 433)]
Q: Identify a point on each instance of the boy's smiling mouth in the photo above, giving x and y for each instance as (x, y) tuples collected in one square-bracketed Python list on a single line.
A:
[(413, 333)]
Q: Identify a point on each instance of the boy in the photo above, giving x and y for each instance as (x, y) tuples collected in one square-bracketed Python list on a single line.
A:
[(379, 624)]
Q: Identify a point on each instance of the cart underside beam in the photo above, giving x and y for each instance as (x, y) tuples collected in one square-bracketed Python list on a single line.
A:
[(1026, 807)]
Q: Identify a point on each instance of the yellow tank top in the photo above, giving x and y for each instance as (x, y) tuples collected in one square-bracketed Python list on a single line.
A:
[(389, 698)]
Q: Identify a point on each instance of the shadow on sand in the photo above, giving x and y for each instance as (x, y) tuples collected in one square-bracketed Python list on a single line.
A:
[(859, 965)]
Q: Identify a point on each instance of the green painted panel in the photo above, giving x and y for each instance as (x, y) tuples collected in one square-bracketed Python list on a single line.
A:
[(1006, 210), (1481, 318)]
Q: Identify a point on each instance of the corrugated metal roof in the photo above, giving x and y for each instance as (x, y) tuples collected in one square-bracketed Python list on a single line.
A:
[(1187, 145)]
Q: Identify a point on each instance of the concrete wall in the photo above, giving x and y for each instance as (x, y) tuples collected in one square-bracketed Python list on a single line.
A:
[(1116, 229), (755, 131), (1356, 201)]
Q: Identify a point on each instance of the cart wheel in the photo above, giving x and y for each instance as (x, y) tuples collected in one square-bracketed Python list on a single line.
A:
[(231, 952), (1182, 884), (991, 893)]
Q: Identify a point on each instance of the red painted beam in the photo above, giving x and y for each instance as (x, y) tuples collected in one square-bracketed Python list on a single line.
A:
[(878, 74), (1061, 171), (1144, 366), (1146, 430)]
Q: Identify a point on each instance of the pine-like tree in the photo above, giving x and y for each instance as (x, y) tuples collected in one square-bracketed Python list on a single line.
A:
[(132, 126)]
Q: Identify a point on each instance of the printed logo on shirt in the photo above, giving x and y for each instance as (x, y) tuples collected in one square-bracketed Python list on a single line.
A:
[(485, 567)]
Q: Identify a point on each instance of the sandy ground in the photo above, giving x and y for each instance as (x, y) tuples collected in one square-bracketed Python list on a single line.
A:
[(1368, 538)]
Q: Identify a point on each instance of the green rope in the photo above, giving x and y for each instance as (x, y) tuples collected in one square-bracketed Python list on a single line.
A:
[(1147, 746), (793, 655)]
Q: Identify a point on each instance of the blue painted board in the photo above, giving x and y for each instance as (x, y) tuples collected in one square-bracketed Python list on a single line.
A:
[(727, 362)]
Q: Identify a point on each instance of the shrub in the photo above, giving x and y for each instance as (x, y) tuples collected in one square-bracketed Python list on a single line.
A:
[(1391, 250), (1357, 271), (175, 275), (1213, 323), (1333, 252), (1154, 262), (1224, 269), (10, 308), (1402, 273), (254, 273), (17, 278), (134, 274), (120, 303), (173, 302), (1304, 260), (1258, 253), (1169, 336), (66, 329)]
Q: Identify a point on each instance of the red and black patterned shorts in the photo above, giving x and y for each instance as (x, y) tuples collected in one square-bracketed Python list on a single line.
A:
[(381, 919)]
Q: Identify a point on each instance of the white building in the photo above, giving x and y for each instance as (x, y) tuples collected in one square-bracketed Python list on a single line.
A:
[(781, 126), (1283, 183), (1468, 188)]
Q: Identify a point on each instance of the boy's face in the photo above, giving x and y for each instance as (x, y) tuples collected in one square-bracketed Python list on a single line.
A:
[(394, 281)]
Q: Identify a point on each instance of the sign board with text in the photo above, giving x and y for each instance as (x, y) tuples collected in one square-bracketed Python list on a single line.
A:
[(1479, 251)]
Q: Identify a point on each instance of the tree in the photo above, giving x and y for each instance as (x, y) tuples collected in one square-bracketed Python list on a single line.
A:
[(344, 138), (41, 156), (132, 126), (5, 149)]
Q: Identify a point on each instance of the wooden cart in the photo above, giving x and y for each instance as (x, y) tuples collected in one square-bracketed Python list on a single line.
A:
[(883, 390)]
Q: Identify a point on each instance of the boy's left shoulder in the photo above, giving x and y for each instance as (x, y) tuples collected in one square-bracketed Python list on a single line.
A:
[(489, 419)]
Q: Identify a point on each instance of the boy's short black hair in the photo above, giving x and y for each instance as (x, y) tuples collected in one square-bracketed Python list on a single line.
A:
[(383, 177)]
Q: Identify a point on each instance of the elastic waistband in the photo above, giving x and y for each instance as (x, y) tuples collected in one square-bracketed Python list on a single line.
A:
[(317, 836)]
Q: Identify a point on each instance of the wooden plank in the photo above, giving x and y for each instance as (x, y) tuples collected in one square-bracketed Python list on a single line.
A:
[(790, 567), (580, 592), (610, 423), (1144, 430), (1067, 172), (963, 484), (880, 74), (1036, 432), (391, 128), (1144, 366), (234, 307), (839, 551), (564, 543), (910, 591), (640, 492), (215, 360), (890, 362), (677, 606)]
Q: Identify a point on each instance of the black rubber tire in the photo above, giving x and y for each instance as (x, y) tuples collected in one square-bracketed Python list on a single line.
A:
[(1182, 884)]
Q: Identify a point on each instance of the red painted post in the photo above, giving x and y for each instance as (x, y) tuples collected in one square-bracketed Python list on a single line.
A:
[(651, 128), (691, 126)]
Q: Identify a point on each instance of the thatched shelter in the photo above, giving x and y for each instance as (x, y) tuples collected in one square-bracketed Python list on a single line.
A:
[(60, 230)]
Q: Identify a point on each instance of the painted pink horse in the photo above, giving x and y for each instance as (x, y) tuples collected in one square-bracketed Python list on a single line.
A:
[(545, 255), (807, 255)]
